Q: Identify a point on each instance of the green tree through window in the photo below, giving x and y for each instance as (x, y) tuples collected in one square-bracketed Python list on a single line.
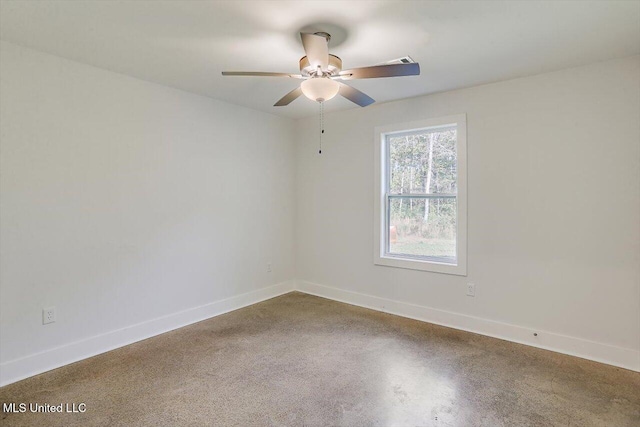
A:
[(421, 194)]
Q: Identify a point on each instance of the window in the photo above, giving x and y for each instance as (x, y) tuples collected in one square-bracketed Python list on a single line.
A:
[(420, 205)]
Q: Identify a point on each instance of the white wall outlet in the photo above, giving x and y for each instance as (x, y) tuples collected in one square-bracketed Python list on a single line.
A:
[(48, 315), (269, 268), (471, 289)]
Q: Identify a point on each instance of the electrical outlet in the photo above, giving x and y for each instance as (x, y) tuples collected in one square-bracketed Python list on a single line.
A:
[(471, 289), (48, 315), (269, 268)]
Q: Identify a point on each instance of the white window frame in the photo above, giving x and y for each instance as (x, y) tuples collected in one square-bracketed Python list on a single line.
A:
[(380, 199)]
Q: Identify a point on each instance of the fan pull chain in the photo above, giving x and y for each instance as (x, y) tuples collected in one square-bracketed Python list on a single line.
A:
[(321, 125)]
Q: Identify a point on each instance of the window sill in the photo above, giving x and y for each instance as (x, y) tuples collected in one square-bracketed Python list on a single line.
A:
[(415, 264)]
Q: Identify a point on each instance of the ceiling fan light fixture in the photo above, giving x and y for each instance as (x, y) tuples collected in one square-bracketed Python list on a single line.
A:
[(321, 73), (320, 88)]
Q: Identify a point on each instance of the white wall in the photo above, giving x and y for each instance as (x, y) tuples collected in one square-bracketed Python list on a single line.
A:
[(553, 211), (125, 201)]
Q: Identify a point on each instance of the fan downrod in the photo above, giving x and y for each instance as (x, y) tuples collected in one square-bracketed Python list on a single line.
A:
[(323, 34)]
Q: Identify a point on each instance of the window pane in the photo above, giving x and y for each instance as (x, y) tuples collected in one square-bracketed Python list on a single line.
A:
[(423, 227), (423, 162)]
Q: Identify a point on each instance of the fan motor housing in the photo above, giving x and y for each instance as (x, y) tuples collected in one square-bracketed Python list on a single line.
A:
[(335, 66)]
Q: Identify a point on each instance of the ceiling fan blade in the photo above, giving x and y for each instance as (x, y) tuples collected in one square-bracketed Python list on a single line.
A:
[(389, 70), (260, 74), (317, 50), (288, 98), (355, 96)]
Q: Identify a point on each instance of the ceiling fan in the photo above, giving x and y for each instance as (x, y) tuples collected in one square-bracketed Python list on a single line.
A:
[(321, 73)]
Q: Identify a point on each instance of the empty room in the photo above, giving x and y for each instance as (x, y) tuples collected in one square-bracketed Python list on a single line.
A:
[(320, 213)]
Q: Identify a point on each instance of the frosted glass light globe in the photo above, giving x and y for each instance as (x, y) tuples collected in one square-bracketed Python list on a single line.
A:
[(320, 88)]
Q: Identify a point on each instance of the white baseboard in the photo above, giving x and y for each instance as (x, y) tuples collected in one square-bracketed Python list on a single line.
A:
[(34, 364), (617, 356)]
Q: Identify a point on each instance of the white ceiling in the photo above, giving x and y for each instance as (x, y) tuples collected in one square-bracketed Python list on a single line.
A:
[(186, 44)]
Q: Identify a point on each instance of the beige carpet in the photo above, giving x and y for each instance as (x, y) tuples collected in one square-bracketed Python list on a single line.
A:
[(301, 360)]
